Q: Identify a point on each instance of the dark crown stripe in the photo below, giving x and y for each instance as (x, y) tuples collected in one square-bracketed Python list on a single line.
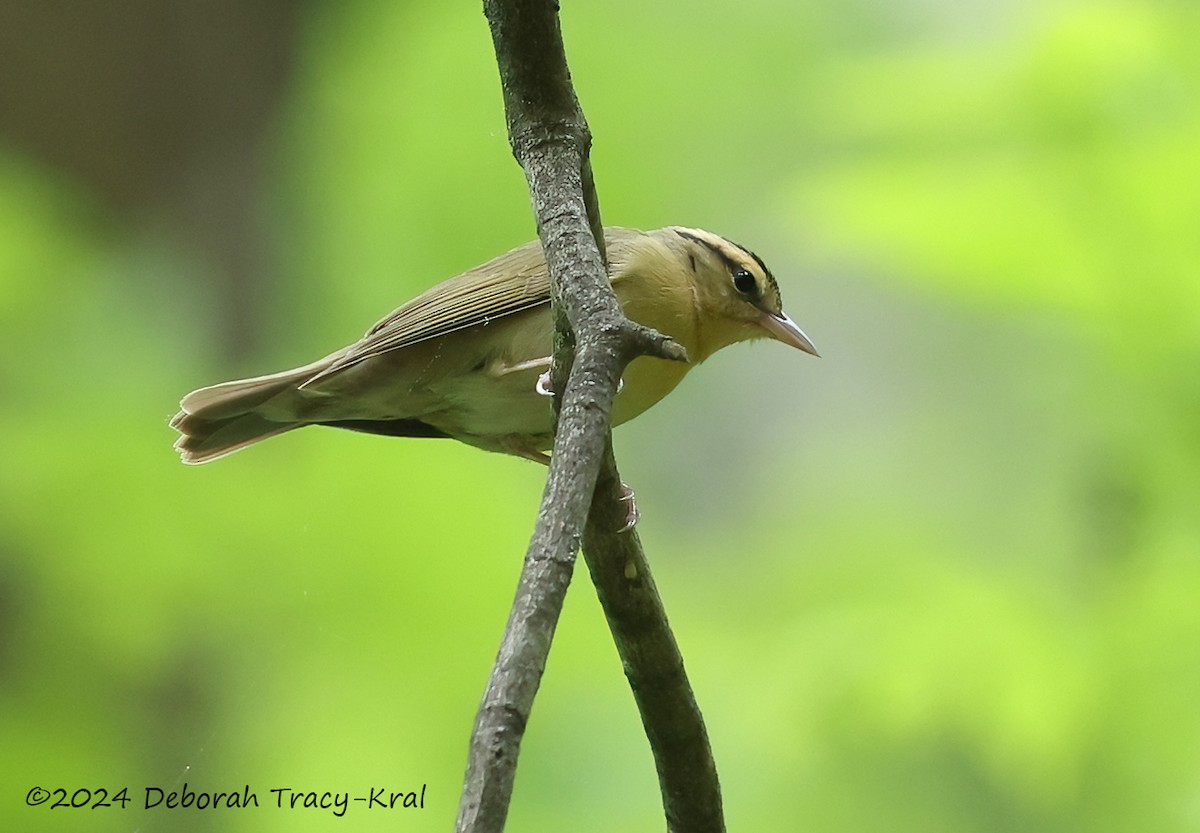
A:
[(730, 262)]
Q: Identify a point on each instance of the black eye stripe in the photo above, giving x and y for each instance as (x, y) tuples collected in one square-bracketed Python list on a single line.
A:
[(729, 262), (733, 265), (761, 265)]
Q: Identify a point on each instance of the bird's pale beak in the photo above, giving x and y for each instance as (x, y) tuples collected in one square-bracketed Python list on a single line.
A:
[(782, 328)]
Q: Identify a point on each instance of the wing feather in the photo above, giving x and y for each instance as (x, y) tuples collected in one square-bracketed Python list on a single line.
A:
[(510, 283), (513, 282)]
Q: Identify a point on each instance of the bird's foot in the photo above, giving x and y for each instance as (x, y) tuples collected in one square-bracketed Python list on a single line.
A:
[(632, 514), (544, 387)]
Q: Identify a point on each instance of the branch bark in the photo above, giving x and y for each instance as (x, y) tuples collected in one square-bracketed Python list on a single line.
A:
[(593, 344), (687, 773)]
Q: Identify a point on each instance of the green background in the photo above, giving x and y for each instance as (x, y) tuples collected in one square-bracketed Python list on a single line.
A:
[(945, 578)]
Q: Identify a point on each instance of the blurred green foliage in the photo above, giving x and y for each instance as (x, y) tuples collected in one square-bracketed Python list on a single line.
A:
[(944, 579)]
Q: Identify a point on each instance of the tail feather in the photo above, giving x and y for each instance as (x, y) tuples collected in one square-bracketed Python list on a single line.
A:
[(221, 419), (230, 436)]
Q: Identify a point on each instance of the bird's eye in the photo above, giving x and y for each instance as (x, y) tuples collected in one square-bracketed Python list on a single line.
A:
[(744, 283)]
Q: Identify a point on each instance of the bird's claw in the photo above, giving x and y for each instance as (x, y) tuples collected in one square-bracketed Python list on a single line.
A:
[(544, 387), (627, 495), (632, 514)]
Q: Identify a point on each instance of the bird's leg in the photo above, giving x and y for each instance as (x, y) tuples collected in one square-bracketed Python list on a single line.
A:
[(516, 446), (542, 385), (520, 446), (501, 369)]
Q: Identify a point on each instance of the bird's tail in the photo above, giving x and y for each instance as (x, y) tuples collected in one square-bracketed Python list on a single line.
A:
[(221, 419)]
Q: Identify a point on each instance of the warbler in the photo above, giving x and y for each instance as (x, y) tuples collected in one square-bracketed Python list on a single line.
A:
[(464, 359)]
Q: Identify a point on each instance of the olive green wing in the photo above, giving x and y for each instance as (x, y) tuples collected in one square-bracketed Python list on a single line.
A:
[(510, 283), (515, 281)]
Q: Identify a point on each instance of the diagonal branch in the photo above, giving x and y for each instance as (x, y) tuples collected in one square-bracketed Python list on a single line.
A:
[(687, 774), (594, 341)]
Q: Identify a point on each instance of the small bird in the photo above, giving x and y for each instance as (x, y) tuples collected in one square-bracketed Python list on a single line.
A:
[(468, 358)]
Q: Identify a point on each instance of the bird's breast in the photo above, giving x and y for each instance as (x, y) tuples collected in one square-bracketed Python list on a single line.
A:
[(479, 384), (645, 382)]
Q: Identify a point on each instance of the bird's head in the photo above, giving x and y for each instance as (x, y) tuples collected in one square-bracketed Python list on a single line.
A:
[(737, 298)]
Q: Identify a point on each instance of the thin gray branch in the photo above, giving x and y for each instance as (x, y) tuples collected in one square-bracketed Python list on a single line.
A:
[(594, 342), (687, 774)]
